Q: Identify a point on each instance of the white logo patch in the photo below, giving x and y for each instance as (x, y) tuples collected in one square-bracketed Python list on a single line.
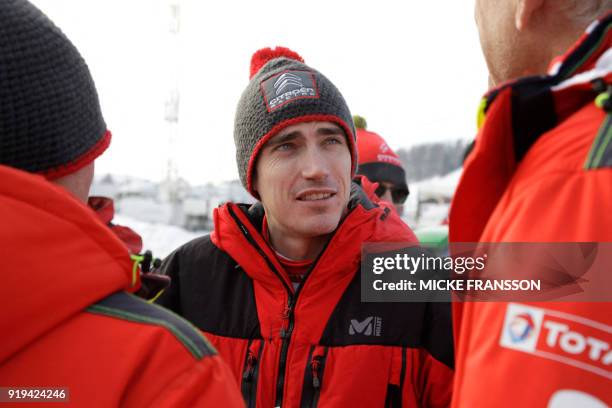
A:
[(288, 86), (566, 338)]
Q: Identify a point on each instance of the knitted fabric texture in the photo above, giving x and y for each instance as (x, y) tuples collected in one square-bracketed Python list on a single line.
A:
[(282, 93), (50, 119)]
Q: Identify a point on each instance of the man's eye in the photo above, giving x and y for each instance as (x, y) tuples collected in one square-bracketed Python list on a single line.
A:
[(333, 140), (284, 147)]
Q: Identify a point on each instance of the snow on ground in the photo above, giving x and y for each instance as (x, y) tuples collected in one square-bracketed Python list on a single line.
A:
[(429, 200), (432, 214), (438, 187), (144, 209), (161, 239)]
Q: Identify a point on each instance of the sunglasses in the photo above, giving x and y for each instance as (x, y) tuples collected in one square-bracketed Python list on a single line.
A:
[(398, 195)]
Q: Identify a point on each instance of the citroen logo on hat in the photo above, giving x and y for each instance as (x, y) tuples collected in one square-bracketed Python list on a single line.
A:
[(288, 86), (287, 80)]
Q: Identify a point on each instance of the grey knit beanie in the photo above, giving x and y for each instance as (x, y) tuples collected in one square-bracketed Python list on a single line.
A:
[(50, 119), (283, 91)]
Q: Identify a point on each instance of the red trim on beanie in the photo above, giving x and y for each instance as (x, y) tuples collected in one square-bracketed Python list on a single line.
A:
[(294, 121), (82, 161), (263, 56)]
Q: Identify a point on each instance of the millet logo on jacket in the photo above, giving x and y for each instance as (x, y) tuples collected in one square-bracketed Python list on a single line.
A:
[(371, 326)]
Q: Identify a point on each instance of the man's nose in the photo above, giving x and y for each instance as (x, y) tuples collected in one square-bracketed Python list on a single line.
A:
[(315, 164)]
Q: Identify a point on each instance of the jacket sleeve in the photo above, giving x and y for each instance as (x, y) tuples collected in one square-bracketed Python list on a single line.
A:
[(209, 383)]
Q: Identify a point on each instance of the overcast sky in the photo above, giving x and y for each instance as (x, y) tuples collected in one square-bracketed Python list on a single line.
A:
[(413, 69)]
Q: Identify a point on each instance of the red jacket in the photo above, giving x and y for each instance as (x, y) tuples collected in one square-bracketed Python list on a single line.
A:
[(541, 171), (66, 320), (321, 344)]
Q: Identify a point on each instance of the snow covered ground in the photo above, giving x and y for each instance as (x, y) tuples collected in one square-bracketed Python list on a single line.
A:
[(438, 187), (161, 239)]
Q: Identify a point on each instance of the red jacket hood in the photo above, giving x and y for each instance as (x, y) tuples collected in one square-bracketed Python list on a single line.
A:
[(58, 258)]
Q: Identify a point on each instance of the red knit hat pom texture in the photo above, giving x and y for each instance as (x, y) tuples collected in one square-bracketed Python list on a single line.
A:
[(263, 56)]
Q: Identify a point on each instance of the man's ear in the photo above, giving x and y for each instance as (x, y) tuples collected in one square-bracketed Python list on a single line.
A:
[(525, 10)]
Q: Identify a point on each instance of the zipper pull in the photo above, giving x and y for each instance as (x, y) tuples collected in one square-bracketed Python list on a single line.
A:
[(284, 331), (251, 361), (286, 313), (315, 364), (286, 316), (289, 308)]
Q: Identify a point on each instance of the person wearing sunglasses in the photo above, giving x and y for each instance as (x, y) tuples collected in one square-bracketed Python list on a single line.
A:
[(379, 164)]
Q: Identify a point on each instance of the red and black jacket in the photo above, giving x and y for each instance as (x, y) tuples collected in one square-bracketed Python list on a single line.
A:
[(318, 344)]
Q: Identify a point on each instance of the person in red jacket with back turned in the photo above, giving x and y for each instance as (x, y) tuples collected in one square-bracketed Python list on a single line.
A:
[(66, 315), (540, 171), (277, 285)]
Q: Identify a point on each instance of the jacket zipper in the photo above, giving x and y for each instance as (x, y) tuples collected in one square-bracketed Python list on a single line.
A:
[(313, 376), (286, 336), (288, 315), (251, 369), (285, 333)]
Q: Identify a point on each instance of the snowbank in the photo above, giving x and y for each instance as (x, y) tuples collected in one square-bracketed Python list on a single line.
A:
[(161, 239), (438, 188)]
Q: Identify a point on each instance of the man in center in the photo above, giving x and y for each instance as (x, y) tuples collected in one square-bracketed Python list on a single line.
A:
[(276, 285)]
